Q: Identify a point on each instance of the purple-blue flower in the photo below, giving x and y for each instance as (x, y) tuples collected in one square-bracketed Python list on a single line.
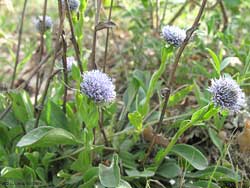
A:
[(38, 23), (227, 94), (98, 86), (73, 4), (173, 35)]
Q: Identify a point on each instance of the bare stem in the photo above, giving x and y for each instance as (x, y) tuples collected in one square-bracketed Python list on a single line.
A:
[(25, 84), (64, 60), (166, 97), (164, 11), (189, 33), (18, 45), (57, 45), (41, 52), (97, 14), (178, 13), (74, 42), (107, 37), (224, 14), (166, 94), (157, 14), (102, 128)]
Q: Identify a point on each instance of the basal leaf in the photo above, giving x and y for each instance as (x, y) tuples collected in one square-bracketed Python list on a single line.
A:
[(46, 136)]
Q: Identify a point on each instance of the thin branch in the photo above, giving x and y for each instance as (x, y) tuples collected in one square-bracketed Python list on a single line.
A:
[(65, 74), (74, 42), (178, 13), (97, 14), (107, 38), (5, 112), (18, 45), (41, 52), (224, 14), (39, 111), (164, 11), (166, 94), (189, 34), (157, 14), (151, 14), (100, 122), (36, 69), (25, 84)]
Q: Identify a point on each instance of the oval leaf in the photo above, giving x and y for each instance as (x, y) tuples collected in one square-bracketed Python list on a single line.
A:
[(192, 155), (110, 176), (46, 136), (220, 173)]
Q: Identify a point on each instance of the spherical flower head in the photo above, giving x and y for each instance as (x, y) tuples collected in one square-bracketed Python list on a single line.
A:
[(39, 23), (70, 62), (173, 35), (73, 4), (227, 94), (98, 86)]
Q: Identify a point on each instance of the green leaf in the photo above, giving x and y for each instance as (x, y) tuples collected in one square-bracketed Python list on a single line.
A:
[(226, 62), (166, 53), (41, 174), (110, 176), (46, 136), (201, 184), (22, 106), (169, 170), (192, 155), (83, 162), (221, 174), (90, 183), (136, 119), (179, 95), (124, 184), (198, 115), (136, 173), (9, 172), (54, 115), (33, 158), (215, 139), (91, 172), (76, 73), (215, 61)]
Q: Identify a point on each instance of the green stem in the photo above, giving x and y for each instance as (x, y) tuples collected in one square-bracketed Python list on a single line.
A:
[(173, 142), (144, 106)]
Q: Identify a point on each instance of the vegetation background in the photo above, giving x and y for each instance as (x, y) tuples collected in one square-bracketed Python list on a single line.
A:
[(161, 131)]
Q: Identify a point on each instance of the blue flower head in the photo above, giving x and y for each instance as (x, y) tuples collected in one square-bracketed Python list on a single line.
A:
[(38, 23), (173, 35), (98, 86), (73, 4), (227, 94)]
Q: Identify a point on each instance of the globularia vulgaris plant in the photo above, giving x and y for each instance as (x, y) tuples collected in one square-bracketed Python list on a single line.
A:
[(124, 94)]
